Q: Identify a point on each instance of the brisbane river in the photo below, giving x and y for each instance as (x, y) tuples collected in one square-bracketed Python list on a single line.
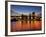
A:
[(26, 26)]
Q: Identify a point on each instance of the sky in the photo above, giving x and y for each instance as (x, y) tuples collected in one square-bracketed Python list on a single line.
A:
[(26, 9)]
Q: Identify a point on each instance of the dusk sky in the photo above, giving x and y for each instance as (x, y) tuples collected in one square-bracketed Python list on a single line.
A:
[(26, 9)]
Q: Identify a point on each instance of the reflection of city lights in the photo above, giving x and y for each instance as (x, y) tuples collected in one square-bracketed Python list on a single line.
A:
[(20, 22), (20, 17), (31, 18), (28, 22)]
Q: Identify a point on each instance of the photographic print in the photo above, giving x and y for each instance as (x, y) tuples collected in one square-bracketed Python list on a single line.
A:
[(25, 18)]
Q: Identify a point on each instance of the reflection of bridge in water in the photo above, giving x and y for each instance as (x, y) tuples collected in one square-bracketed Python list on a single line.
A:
[(26, 26)]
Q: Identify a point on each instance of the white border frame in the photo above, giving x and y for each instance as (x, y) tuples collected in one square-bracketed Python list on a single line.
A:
[(27, 32)]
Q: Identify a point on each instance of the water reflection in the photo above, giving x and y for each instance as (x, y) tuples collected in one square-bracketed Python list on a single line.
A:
[(25, 26)]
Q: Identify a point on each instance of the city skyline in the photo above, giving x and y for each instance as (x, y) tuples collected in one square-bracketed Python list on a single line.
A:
[(13, 13)]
